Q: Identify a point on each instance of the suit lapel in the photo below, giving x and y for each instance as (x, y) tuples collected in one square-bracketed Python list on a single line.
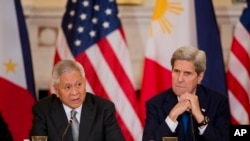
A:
[(87, 117), (170, 102), (59, 119), (203, 99)]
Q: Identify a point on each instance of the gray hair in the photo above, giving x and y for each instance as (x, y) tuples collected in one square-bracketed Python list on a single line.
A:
[(65, 66), (188, 53)]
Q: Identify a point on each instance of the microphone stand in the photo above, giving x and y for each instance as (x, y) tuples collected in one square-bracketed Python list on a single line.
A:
[(67, 128), (192, 125)]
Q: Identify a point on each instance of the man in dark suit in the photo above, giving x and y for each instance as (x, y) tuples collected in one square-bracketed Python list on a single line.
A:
[(206, 111), (95, 115), (5, 134)]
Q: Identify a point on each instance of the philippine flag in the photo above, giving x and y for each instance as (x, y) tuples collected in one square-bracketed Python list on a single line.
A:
[(16, 75), (176, 23)]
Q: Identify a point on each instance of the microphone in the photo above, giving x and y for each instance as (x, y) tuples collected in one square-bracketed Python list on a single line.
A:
[(67, 128)]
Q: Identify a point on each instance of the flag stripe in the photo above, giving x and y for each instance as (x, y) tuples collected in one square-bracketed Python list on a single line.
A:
[(128, 136), (242, 35), (62, 47), (235, 87), (117, 65), (26, 53), (242, 56), (238, 73), (117, 42), (238, 111)]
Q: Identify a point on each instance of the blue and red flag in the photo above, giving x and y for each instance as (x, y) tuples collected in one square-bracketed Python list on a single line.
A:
[(176, 23), (16, 72)]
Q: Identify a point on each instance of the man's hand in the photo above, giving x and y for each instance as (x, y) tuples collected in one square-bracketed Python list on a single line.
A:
[(194, 105), (179, 108)]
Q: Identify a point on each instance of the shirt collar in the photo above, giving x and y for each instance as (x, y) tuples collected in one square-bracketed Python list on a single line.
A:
[(67, 110)]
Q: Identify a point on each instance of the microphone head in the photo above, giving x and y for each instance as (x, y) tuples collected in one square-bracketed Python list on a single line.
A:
[(70, 120)]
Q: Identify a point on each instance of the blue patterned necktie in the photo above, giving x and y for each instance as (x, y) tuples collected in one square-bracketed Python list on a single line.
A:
[(74, 126), (185, 119)]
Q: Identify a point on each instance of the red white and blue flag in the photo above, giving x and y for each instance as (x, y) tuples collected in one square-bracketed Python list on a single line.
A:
[(92, 34), (176, 23), (16, 72), (238, 73)]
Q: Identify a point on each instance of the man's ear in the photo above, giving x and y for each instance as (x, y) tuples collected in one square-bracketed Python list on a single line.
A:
[(200, 77), (55, 90)]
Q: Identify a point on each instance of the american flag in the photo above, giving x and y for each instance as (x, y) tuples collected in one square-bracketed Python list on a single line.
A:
[(93, 35), (238, 73)]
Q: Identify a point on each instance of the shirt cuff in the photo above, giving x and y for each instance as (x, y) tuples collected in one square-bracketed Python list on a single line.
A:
[(202, 130), (171, 124)]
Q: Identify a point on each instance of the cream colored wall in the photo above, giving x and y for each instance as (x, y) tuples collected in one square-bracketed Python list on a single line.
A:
[(60, 3), (44, 3)]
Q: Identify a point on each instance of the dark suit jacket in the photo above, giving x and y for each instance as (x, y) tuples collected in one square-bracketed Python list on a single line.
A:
[(5, 134), (212, 104), (98, 121)]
